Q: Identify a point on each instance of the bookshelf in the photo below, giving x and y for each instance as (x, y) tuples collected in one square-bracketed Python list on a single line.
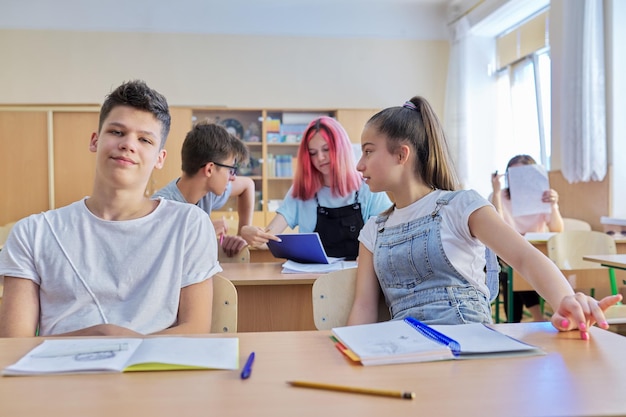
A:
[(273, 137)]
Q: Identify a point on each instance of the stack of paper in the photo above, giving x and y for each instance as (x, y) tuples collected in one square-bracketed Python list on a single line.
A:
[(292, 267)]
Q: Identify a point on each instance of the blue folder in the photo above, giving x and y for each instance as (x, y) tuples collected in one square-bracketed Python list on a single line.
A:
[(304, 248)]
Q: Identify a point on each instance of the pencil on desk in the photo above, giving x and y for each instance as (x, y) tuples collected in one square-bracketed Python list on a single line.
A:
[(355, 390)]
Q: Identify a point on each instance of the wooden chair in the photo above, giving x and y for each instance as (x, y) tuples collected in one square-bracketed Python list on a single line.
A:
[(575, 224), (333, 294), (566, 250), (4, 232), (242, 257), (224, 313)]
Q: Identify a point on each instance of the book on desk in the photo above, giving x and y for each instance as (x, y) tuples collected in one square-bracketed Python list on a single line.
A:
[(305, 248), (96, 355), (409, 340), (305, 254)]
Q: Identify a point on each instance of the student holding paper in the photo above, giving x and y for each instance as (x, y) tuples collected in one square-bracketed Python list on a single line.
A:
[(538, 222), (117, 262), (210, 158), (427, 252), (328, 195)]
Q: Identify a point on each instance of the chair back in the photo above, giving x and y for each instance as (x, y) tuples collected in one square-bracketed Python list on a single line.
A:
[(575, 224), (566, 249), (333, 295), (224, 313), (4, 232), (242, 257)]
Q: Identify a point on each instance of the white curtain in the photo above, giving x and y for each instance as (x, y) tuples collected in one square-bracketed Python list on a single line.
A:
[(456, 104), (583, 122)]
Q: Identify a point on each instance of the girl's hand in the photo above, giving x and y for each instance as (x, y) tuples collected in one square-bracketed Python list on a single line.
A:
[(550, 196), (256, 236), (495, 182), (581, 311)]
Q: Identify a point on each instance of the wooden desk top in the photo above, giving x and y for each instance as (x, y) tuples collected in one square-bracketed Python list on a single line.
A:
[(615, 261), (263, 273), (575, 378)]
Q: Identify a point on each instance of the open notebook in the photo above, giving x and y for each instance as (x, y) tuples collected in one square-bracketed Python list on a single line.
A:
[(305, 248), (70, 356), (409, 340)]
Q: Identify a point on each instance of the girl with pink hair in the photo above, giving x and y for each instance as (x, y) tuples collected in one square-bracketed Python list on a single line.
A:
[(328, 195)]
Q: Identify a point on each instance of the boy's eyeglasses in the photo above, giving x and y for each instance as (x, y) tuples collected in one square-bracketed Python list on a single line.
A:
[(233, 168)]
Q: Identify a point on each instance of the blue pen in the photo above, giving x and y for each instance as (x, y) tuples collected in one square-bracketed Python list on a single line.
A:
[(247, 368)]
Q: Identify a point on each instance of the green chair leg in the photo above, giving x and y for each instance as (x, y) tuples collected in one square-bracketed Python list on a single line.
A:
[(614, 289), (496, 305), (509, 280)]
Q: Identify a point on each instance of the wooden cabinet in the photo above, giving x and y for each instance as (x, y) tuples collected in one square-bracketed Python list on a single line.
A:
[(24, 176)]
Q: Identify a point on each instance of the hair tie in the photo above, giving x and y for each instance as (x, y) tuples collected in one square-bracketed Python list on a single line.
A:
[(409, 105)]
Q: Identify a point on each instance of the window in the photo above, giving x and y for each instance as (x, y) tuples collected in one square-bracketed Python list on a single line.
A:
[(523, 82), (524, 109)]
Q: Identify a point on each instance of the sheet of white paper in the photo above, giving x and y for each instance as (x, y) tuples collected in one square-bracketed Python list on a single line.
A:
[(291, 267), (527, 184), (539, 236)]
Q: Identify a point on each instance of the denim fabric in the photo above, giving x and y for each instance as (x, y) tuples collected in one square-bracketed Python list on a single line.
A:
[(417, 278)]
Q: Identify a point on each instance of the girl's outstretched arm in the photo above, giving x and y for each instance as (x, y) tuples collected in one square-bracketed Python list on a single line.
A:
[(571, 310)]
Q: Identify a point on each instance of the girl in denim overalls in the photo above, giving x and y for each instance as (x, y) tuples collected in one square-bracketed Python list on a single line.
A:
[(428, 252)]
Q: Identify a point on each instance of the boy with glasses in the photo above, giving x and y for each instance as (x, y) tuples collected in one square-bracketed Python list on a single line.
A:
[(210, 158)]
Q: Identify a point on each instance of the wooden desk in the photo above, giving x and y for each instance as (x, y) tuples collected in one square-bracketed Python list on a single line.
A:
[(611, 261), (269, 300), (263, 255), (575, 378)]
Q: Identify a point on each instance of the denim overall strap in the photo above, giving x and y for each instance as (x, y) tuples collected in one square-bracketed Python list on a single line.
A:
[(417, 278), (491, 260), (493, 272)]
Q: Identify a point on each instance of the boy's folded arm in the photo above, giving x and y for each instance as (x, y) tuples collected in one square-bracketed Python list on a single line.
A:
[(19, 310), (194, 310)]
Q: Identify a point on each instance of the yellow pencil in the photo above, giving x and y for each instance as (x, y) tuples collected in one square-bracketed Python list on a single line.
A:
[(356, 390)]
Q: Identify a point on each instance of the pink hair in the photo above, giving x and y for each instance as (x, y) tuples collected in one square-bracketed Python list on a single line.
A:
[(344, 177)]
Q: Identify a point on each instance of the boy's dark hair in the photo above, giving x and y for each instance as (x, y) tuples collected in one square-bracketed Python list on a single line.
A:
[(209, 142), (138, 95)]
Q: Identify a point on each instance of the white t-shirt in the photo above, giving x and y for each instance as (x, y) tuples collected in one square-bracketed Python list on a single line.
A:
[(135, 269), (207, 203), (466, 253)]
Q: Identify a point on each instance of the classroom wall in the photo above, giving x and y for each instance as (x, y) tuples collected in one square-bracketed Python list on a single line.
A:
[(222, 70)]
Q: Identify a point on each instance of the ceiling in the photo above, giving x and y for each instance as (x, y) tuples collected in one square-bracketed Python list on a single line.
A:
[(405, 19)]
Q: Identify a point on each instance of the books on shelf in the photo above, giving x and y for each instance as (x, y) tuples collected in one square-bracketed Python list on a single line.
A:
[(409, 340), (70, 356), (281, 166)]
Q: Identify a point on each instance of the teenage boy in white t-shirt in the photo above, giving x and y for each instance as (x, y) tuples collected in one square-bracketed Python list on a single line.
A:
[(117, 262)]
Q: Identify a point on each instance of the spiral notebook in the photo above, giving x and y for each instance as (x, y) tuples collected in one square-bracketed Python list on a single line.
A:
[(409, 340)]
